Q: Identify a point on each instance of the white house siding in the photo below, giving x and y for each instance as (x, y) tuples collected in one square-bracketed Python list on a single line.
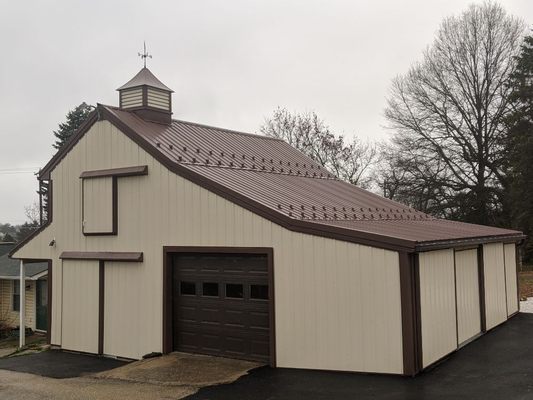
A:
[(80, 305), (337, 303), (7, 315), (510, 278), (437, 305), (468, 307), (494, 272)]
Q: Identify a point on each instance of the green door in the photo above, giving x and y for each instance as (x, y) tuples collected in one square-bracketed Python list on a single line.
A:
[(41, 305)]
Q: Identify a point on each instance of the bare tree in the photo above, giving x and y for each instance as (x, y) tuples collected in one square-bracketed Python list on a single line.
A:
[(448, 111), (349, 161)]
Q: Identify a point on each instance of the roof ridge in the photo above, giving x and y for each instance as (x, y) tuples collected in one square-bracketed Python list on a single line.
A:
[(228, 130)]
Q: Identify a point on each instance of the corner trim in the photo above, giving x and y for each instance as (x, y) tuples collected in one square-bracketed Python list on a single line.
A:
[(408, 307)]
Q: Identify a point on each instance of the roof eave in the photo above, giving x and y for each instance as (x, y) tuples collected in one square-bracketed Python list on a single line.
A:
[(465, 242)]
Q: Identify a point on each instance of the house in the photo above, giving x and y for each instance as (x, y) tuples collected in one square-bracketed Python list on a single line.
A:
[(168, 235), (35, 288)]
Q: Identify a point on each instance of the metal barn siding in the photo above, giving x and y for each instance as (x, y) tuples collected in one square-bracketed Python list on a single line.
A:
[(468, 307), (80, 306), (437, 305), (510, 278), (337, 304), (494, 272)]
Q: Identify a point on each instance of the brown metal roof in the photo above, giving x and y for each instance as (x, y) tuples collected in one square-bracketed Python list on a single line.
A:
[(276, 181), (145, 77)]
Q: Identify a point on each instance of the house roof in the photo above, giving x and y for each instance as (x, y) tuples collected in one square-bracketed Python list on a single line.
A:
[(5, 247), (145, 77), (271, 178), (10, 269)]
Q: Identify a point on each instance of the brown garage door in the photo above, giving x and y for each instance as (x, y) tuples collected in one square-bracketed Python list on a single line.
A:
[(221, 305)]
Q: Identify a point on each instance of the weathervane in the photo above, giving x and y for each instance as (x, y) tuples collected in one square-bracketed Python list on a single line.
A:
[(144, 55)]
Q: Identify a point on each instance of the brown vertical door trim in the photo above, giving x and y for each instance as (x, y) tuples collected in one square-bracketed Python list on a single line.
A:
[(408, 306), (49, 310), (505, 281), (168, 251), (481, 275), (456, 308), (271, 309), (101, 297), (418, 314), (167, 301)]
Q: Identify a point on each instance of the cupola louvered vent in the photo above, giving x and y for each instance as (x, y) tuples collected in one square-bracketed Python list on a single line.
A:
[(147, 96)]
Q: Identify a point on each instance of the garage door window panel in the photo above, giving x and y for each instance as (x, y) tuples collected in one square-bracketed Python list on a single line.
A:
[(99, 211), (234, 290), (210, 289), (259, 292), (187, 288)]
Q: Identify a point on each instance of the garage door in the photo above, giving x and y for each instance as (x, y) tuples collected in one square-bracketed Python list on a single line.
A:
[(467, 289), (221, 305)]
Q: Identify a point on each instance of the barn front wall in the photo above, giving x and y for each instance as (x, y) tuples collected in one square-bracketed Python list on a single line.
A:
[(337, 304)]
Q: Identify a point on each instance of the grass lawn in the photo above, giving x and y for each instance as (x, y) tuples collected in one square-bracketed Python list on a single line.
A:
[(526, 284)]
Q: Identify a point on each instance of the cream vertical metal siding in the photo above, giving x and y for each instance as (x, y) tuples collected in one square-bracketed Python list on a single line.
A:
[(98, 205), (467, 288), (337, 304), (437, 305), (131, 98), (510, 278), (495, 298), (80, 305)]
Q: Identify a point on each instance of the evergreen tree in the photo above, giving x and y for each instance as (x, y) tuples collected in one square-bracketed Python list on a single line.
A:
[(520, 146), (75, 118), (8, 238)]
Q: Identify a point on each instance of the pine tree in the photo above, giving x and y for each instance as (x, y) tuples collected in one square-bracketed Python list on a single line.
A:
[(520, 147), (75, 118)]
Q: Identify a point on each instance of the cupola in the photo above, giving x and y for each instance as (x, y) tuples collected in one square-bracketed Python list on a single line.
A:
[(147, 97)]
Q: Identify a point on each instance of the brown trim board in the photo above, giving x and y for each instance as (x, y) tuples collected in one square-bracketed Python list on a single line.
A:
[(49, 283), (168, 251), (481, 276), (418, 313), (409, 316), (101, 306), (116, 172), (103, 256)]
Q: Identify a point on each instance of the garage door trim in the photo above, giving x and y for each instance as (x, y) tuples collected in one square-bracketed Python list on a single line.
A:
[(169, 251)]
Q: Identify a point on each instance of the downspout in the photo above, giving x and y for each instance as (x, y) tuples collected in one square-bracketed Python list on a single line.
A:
[(22, 307)]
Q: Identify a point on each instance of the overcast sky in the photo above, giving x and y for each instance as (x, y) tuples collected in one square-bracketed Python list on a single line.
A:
[(230, 63)]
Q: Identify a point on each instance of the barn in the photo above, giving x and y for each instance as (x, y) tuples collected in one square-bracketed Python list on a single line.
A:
[(163, 235)]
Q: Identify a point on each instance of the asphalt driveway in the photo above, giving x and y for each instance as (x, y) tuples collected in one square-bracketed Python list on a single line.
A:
[(497, 366), (59, 364)]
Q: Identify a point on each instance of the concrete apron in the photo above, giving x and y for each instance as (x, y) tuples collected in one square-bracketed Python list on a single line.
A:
[(181, 369)]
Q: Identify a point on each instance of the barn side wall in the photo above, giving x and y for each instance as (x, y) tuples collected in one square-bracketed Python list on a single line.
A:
[(337, 304)]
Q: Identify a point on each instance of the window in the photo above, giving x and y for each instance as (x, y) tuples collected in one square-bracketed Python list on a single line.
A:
[(98, 206), (16, 296), (187, 288), (210, 289), (259, 292), (234, 290)]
